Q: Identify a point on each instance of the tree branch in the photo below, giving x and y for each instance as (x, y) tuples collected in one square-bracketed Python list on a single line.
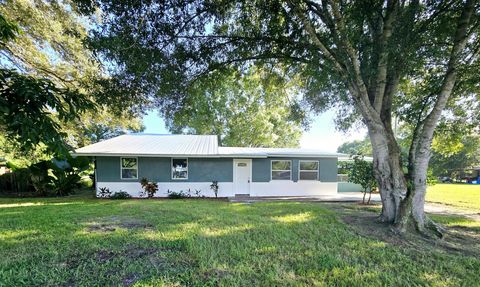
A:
[(355, 62), (460, 41), (318, 42), (381, 80)]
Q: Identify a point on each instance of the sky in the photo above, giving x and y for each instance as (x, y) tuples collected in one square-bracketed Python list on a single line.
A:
[(321, 135)]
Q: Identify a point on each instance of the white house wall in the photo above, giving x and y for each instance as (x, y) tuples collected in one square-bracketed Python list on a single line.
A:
[(290, 188), (226, 189), (134, 188)]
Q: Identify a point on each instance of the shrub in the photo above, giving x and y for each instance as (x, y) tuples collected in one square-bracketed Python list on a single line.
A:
[(58, 177), (177, 195), (214, 187), (361, 173), (120, 195), (431, 179), (86, 181), (149, 188), (198, 193), (104, 192), (184, 194)]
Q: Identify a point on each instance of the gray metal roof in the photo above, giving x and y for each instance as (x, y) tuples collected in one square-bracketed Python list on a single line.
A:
[(279, 152), (154, 145), (186, 145), (349, 157)]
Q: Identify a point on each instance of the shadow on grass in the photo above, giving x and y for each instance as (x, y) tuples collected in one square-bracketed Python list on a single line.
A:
[(462, 234), (209, 243)]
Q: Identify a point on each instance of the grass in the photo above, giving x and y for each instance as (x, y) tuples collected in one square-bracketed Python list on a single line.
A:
[(461, 196), (78, 241)]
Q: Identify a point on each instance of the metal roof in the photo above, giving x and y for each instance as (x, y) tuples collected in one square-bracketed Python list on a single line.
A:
[(186, 145), (265, 152), (349, 157), (153, 145)]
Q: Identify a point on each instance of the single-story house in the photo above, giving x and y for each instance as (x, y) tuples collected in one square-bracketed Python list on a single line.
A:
[(192, 162)]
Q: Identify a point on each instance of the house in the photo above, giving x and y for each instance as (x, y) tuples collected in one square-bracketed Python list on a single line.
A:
[(183, 162)]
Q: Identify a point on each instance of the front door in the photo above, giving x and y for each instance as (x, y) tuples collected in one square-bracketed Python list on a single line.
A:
[(242, 173)]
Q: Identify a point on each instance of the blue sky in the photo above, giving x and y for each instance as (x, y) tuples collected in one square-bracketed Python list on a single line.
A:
[(322, 134)]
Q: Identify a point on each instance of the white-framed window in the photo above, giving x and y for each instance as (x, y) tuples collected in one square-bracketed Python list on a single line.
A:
[(179, 168), (281, 169), (129, 168), (308, 170)]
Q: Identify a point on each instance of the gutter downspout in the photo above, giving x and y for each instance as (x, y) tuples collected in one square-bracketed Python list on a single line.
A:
[(95, 175)]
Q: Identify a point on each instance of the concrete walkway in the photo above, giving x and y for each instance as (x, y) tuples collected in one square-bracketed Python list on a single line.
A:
[(443, 209), (339, 197)]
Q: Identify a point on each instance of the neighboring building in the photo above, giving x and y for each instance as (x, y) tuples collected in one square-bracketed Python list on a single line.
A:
[(182, 162)]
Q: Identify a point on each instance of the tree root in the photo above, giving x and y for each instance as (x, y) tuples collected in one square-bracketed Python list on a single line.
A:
[(428, 228), (383, 219), (435, 228)]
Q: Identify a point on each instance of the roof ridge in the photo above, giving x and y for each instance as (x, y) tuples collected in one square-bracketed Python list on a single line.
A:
[(155, 134)]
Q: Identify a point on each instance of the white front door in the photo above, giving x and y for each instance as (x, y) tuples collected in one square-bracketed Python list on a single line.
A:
[(242, 174)]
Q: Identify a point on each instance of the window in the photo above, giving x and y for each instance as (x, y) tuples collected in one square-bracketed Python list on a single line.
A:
[(308, 170), (179, 168), (342, 170), (281, 170), (128, 168)]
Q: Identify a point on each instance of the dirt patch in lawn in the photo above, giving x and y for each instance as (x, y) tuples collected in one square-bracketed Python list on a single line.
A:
[(111, 224), (103, 256), (130, 279), (131, 252), (215, 273), (363, 221)]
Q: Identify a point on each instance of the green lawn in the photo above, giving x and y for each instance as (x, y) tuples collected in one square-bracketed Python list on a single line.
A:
[(461, 196), (78, 241)]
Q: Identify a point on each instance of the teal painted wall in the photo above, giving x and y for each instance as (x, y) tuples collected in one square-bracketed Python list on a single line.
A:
[(349, 187), (158, 169), (261, 168), (205, 169)]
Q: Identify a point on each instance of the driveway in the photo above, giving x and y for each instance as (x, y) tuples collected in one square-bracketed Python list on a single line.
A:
[(339, 197)]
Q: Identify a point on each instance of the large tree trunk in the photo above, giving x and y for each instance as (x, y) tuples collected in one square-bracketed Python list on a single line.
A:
[(402, 203), (388, 172), (411, 212)]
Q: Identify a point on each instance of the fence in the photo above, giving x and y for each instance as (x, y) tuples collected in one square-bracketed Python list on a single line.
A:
[(16, 182)]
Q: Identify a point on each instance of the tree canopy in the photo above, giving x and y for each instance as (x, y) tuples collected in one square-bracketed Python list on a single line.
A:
[(253, 109), (356, 147), (51, 45), (53, 88)]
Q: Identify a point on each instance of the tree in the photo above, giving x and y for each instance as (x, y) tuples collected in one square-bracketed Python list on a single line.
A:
[(253, 109), (356, 147), (361, 172), (50, 46), (351, 54), (450, 162), (24, 105), (27, 104)]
